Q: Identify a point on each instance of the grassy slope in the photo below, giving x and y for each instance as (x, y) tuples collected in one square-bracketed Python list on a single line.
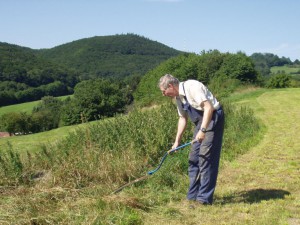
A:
[(260, 187), (33, 142), (286, 69), (24, 107)]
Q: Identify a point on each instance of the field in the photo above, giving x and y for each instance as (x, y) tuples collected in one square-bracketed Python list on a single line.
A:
[(23, 107), (33, 142), (260, 186), (293, 71)]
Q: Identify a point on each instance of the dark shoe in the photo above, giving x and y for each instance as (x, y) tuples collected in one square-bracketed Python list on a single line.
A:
[(202, 203), (195, 204)]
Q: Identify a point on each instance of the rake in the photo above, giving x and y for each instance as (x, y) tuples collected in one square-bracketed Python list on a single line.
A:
[(152, 171)]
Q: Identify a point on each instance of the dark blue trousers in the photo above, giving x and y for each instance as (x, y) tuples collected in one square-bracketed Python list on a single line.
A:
[(204, 160)]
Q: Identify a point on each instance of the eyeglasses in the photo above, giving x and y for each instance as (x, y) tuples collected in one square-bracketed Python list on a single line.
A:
[(164, 90)]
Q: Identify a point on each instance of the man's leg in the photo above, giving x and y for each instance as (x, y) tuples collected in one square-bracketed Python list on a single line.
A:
[(193, 170), (209, 158)]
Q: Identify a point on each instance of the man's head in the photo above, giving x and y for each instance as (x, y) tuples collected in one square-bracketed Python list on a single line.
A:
[(169, 85)]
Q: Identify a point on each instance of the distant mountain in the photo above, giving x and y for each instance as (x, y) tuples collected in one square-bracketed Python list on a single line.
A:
[(110, 56), (27, 74)]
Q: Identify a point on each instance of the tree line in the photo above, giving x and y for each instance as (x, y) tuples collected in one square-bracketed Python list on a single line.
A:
[(92, 100), (264, 61)]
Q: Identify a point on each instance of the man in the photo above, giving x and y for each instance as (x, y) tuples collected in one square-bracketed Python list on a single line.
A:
[(194, 100)]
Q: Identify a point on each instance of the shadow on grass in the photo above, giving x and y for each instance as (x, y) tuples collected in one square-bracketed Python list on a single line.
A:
[(253, 196)]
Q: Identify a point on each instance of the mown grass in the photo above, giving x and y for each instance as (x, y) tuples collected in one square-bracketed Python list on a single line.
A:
[(260, 186)]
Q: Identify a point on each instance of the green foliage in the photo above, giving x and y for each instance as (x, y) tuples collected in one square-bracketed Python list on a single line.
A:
[(293, 71), (279, 81), (110, 56), (94, 99), (99, 157), (114, 151), (264, 61), (16, 122), (222, 87), (211, 66), (45, 116), (11, 167), (26, 77), (27, 74), (238, 66), (240, 126)]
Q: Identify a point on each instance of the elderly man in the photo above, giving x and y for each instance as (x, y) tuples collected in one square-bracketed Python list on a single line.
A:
[(194, 100)]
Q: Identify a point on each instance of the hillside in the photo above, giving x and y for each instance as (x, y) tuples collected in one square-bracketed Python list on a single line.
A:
[(110, 56), (259, 187), (27, 74), (26, 77)]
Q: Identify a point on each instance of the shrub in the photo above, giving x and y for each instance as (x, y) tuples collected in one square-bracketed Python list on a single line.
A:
[(279, 81)]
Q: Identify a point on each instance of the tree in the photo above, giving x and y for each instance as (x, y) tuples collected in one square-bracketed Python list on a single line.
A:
[(279, 81), (16, 122), (96, 98), (238, 66), (47, 113)]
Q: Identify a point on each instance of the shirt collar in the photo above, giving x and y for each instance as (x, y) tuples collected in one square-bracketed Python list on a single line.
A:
[(180, 89)]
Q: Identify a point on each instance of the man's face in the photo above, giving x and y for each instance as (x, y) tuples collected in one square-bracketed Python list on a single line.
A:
[(169, 91)]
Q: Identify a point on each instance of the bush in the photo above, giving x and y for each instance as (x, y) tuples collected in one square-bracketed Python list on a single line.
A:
[(279, 81)]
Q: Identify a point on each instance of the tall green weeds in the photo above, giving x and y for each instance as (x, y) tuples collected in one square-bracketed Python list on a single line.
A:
[(117, 150), (99, 157)]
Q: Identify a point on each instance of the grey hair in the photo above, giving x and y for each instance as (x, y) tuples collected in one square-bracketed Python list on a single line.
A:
[(167, 79)]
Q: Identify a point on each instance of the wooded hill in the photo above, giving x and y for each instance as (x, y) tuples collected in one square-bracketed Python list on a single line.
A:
[(27, 74), (110, 56)]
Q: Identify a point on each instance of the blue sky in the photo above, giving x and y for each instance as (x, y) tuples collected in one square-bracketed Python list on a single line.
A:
[(190, 25)]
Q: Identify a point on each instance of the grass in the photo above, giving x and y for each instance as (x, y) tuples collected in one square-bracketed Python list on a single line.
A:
[(23, 107), (260, 186), (33, 142), (287, 69)]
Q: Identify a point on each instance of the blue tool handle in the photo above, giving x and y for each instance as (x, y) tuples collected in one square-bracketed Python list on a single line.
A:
[(165, 156)]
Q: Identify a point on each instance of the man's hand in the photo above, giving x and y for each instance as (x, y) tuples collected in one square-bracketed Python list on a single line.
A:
[(200, 136), (175, 145)]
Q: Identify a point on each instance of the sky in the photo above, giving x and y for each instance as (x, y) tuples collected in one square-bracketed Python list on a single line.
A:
[(249, 26)]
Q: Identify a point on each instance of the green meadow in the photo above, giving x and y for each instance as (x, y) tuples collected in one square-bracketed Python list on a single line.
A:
[(287, 69), (23, 107)]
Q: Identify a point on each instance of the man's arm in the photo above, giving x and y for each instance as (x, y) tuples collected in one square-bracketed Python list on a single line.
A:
[(207, 115), (182, 122)]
